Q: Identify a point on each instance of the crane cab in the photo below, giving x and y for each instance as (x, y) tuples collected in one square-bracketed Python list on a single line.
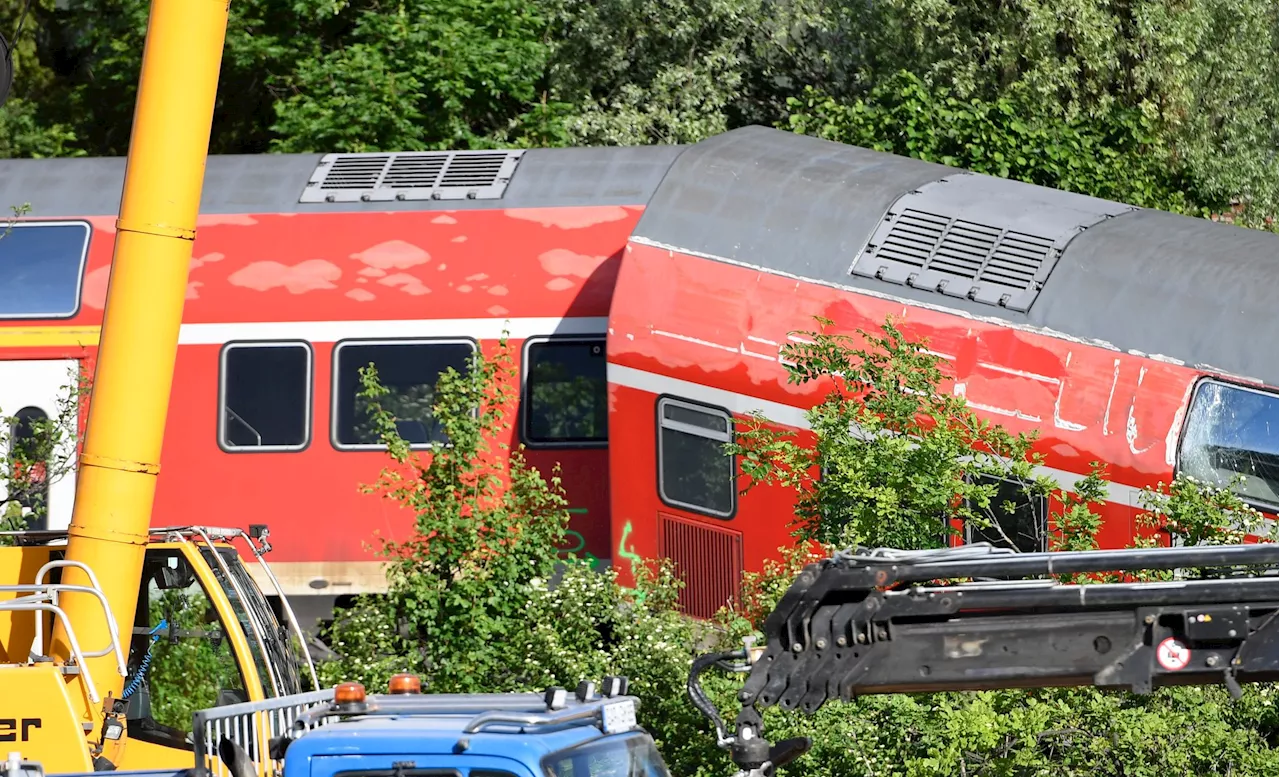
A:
[(203, 636)]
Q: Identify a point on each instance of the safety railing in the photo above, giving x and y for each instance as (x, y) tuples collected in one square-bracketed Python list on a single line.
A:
[(41, 597), (252, 726)]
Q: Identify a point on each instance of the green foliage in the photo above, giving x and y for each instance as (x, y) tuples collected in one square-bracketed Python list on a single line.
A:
[(477, 598), (416, 75), (187, 674), (893, 462), (1115, 155), (889, 383), (1168, 103), (37, 452)]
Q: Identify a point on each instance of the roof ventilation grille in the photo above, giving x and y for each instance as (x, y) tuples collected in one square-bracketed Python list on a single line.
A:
[(986, 239), (419, 175)]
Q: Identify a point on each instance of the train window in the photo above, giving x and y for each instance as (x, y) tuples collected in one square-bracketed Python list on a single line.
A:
[(1231, 435), (266, 397), (694, 471), (409, 370), (1017, 519), (565, 394), (41, 267)]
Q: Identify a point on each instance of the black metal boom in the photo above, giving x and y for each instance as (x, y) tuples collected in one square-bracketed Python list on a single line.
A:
[(888, 621)]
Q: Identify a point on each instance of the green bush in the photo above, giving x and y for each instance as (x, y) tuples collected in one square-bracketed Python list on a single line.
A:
[(1115, 155), (478, 598), (468, 618)]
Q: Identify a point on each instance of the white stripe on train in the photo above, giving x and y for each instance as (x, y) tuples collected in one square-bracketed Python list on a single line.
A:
[(794, 416), (334, 331)]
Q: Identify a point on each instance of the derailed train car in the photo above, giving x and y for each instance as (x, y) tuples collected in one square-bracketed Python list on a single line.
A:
[(1140, 339)]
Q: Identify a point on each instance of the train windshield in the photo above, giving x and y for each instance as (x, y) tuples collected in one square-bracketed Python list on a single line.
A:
[(620, 755), (1232, 437)]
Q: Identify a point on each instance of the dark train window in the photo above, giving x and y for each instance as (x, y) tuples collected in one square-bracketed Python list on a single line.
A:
[(566, 394), (41, 267), (409, 370), (266, 396), (1231, 434), (1018, 520), (694, 471)]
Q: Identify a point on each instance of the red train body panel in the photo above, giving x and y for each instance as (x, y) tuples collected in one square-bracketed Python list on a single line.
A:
[(697, 264)]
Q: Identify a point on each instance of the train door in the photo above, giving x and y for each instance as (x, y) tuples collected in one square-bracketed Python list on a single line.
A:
[(32, 394)]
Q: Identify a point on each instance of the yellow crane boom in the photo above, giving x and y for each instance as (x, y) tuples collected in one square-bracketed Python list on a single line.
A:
[(131, 384)]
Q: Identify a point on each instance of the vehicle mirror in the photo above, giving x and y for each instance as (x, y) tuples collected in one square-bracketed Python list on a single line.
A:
[(168, 578)]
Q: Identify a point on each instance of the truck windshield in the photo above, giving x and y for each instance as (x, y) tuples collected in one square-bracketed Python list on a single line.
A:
[(620, 755), (275, 640)]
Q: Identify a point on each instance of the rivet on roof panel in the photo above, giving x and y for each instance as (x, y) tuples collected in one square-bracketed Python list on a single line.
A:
[(417, 175), (991, 240)]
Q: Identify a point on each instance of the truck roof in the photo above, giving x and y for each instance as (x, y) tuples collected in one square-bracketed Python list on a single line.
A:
[(432, 734)]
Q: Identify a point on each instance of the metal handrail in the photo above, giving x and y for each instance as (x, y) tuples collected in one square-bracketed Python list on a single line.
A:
[(531, 719), (77, 656), (112, 625), (47, 594)]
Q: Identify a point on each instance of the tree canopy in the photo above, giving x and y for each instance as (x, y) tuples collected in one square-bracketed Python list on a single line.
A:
[(1163, 103)]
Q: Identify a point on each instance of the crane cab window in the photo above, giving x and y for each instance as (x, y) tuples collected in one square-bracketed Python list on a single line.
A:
[(409, 370), (1231, 435), (566, 399), (694, 470), (41, 268), (1016, 519), (180, 661), (265, 397)]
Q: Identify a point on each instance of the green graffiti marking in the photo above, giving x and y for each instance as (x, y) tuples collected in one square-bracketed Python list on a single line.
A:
[(623, 552), (582, 542)]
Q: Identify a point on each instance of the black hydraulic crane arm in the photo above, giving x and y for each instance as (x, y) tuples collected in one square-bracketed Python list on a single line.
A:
[(888, 621)]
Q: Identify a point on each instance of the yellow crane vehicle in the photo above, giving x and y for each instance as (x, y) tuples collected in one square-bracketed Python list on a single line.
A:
[(87, 615)]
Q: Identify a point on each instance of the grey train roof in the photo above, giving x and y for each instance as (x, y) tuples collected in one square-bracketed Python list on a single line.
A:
[(1141, 280), (273, 183)]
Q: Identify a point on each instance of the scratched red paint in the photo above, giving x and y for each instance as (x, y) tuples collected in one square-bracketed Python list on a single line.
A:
[(721, 326), (354, 267)]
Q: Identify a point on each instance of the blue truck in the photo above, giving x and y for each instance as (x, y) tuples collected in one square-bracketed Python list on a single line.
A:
[(343, 731)]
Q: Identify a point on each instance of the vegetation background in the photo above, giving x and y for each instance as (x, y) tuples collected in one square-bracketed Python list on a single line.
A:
[(1161, 103)]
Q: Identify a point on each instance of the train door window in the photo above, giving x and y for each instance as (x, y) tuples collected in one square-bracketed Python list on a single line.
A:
[(1231, 436), (409, 370), (694, 471), (566, 399), (265, 397), (180, 659), (1017, 519), (41, 268), (28, 466)]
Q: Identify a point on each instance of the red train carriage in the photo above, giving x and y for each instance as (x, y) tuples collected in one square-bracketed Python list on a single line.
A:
[(1137, 338), (308, 267)]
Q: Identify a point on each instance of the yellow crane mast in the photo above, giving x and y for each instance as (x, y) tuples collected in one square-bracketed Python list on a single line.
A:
[(70, 602)]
